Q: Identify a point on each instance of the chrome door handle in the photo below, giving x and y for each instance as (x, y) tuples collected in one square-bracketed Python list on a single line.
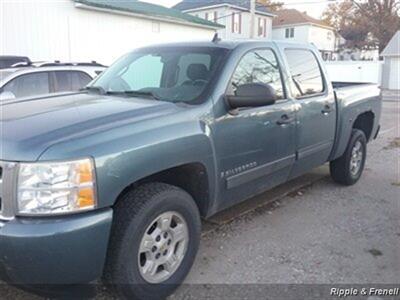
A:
[(327, 109), (285, 120)]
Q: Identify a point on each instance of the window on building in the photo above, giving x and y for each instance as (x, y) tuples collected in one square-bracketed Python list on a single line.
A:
[(215, 17), (329, 35), (207, 16), (29, 85), (262, 27), (260, 66), (156, 27), (237, 23), (289, 33), (305, 71)]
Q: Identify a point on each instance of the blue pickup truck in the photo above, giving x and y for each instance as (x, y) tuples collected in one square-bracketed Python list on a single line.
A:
[(112, 182)]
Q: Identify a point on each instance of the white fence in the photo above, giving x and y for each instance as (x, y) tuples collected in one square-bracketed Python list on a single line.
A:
[(355, 71)]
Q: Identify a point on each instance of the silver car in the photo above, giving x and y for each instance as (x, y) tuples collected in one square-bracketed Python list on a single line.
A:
[(43, 79)]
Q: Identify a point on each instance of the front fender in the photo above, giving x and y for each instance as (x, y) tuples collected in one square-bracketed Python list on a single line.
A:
[(125, 156)]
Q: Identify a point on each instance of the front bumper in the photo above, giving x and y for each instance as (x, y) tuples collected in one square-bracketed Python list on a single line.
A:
[(49, 251)]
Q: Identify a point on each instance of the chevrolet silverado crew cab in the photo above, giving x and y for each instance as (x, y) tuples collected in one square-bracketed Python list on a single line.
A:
[(112, 182)]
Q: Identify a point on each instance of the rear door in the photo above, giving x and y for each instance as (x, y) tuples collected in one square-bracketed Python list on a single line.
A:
[(316, 114)]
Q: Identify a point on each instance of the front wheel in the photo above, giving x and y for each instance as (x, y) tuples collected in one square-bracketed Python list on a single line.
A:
[(155, 237), (347, 169)]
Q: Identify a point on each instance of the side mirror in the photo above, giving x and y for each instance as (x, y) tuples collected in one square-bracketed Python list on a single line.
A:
[(253, 95), (7, 96)]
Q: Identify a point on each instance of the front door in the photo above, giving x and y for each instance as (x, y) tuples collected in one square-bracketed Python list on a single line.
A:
[(255, 146), (316, 114)]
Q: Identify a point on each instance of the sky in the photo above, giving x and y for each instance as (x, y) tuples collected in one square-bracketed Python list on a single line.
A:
[(312, 7)]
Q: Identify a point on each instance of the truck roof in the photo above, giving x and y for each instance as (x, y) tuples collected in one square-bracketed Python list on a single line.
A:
[(231, 44)]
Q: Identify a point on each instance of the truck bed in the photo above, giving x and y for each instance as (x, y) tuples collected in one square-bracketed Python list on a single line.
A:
[(342, 84)]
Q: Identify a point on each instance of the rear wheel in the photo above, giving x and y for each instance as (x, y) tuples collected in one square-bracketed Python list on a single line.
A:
[(154, 241), (347, 169)]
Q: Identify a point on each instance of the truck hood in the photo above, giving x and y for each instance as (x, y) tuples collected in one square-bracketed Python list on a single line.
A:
[(28, 128)]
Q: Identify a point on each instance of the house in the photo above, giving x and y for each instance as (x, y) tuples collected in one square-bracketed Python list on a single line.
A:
[(86, 30), (391, 67), (293, 25), (234, 15)]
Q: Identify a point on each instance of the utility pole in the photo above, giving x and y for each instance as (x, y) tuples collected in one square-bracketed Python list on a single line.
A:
[(252, 18)]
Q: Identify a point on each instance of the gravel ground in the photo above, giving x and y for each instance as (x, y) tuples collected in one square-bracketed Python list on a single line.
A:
[(322, 233)]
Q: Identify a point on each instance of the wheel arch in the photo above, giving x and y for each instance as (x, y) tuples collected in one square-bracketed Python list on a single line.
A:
[(365, 123), (191, 177), (350, 120)]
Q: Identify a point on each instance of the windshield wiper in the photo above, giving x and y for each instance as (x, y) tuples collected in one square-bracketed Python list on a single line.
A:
[(135, 94), (98, 89)]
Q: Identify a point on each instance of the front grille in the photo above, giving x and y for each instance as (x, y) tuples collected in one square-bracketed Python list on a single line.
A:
[(8, 173)]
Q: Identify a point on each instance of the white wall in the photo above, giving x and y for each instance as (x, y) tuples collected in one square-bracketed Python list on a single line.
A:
[(355, 71), (57, 30), (391, 73), (308, 34), (322, 38), (225, 18)]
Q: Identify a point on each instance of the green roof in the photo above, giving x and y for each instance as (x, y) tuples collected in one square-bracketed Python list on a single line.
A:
[(149, 10)]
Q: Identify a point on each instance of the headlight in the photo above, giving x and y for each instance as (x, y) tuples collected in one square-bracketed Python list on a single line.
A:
[(56, 187)]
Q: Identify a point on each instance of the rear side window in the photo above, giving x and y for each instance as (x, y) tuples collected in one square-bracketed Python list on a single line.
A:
[(66, 81), (306, 73), (29, 85)]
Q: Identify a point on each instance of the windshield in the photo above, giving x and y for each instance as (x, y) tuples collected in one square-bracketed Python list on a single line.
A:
[(166, 74)]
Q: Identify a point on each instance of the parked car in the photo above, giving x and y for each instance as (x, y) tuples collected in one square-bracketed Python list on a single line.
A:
[(112, 182), (42, 79), (7, 61)]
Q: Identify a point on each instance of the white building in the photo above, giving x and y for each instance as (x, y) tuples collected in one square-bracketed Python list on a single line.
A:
[(293, 25), (391, 68), (86, 30), (234, 15)]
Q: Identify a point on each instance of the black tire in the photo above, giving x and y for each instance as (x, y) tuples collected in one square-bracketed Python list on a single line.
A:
[(341, 168), (133, 214)]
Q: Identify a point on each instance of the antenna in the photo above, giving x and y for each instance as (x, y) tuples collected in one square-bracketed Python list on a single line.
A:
[(216, 38)]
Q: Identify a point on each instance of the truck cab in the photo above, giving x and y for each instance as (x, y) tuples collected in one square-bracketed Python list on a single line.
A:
[(112, 181)]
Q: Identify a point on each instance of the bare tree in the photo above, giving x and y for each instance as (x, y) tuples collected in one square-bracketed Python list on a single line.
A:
[(271, 4), (365, 24)]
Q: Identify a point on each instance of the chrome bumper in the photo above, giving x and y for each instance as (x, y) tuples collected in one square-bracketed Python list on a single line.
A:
[(8, 179)]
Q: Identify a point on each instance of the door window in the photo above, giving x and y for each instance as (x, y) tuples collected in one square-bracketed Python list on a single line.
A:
[(29, 85), (259, 66), (67, 81), (306, 73)]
